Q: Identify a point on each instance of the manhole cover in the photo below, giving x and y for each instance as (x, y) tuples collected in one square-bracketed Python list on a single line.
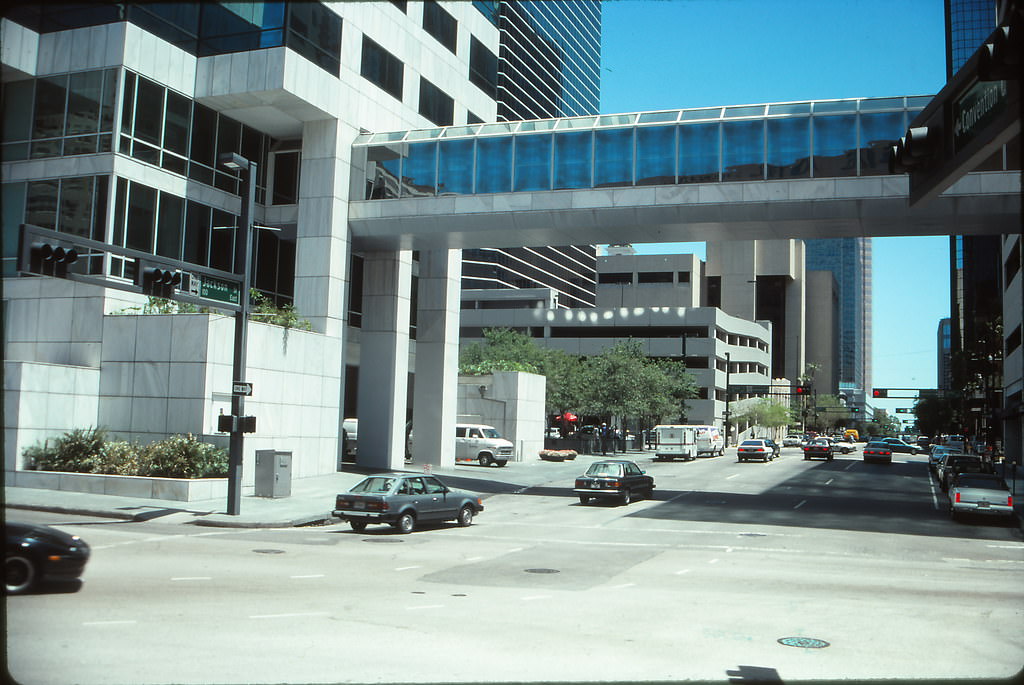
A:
[(269, 551), (541, 570), (384, 540), (806, 642)]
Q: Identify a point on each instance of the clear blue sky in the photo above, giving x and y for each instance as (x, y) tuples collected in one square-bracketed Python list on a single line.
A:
[(664, 54)]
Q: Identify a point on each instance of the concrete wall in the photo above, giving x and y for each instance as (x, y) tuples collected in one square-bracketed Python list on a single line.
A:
[(512, 402)]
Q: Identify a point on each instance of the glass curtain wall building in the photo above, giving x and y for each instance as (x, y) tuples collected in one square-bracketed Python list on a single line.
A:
[(548, 65)]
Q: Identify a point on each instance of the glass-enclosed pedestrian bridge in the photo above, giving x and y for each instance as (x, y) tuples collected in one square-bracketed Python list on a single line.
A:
[(753, 171)]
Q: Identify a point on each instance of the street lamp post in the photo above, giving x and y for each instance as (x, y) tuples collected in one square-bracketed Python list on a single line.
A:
[(242, 267), (728, 371)]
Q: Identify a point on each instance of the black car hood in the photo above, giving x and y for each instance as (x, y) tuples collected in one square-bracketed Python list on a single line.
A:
[(20, 531)]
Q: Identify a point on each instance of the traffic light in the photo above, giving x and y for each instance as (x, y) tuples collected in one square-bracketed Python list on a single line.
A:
[(802, 390), (912, 150), (46, 259), (155, 281), (880, 393), (999, 58), (854, 410)]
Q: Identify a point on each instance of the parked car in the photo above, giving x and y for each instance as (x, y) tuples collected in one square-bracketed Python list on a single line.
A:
[(979, 493), (935, 457), (761, 448), (613, 479), (819, 448), (897, 445), (955, 464), (878, 451), (793, 441), (404, 501), (924, 442), (36, 554)]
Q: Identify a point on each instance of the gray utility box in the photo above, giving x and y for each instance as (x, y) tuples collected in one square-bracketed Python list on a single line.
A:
[(273, 473)]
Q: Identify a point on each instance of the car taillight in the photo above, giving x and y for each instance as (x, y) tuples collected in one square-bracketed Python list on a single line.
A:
[(957, 498), (580, 483), (614, 484), (1009, 500)]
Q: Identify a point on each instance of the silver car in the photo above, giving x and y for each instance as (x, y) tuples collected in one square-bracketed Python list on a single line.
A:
[(979, 493), (404, 500)]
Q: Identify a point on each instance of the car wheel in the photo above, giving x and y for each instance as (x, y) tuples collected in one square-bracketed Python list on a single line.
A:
[(485, 460), (358, 526), (20, 574), (627, 497), (465, 516), (501, 462), (584, 499), (405, 523)]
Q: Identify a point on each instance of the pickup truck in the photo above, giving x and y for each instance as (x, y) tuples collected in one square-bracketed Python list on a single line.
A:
[(819, 448)]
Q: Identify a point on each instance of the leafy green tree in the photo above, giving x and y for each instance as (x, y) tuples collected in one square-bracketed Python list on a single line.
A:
[(764, 412), (936, 415), (502, 350)]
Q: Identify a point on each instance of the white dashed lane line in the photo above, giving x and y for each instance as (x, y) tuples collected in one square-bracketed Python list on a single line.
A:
[(311, 575), (108, 623), (802, 502), (184, 578), (407, 568), (425, 606), (294, 615)]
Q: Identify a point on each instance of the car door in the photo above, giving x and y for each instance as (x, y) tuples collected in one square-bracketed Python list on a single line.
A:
[(635, 479), (461, 444), (438, 500)]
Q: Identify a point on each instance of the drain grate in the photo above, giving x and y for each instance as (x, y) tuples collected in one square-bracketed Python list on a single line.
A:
[(806, 642), (541, 570), (269, 551)]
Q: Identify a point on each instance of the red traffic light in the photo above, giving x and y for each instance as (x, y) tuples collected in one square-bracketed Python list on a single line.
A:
[(803, 390), (880, 393)]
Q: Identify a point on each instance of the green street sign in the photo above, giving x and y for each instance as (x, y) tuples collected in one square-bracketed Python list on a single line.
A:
[(215, 289), (976, 109)]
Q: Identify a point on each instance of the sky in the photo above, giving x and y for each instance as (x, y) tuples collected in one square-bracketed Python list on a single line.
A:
[(669, 54)]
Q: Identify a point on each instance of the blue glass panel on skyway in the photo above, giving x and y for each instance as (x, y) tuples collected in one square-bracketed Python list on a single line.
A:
[(655, 155), (494, 165), (877, 131), (698, 153), (613, 165), (455, 167), (573, 153), (419, 170), (743, 150), (789, 148), (533, 162), (835, 145)]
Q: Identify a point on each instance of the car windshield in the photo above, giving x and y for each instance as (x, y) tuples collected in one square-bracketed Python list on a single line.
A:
[(490, 433), (374, 484), (753, 443), (600, 469), (878, 445), (981, 481)]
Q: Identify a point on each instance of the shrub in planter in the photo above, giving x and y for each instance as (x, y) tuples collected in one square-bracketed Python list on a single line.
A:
[(183, 456), (557, 455), (76, 451), (119, 458)]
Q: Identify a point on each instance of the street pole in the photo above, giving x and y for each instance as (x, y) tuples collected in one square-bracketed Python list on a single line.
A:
[(243, 264), (728, 371)]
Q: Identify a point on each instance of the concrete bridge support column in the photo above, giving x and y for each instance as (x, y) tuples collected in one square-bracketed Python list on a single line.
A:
[(437, 357), (384, 359)]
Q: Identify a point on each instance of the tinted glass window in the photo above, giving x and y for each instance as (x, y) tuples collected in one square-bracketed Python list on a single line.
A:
[(435, 105), (455, 167), (573, 154), (533, 162), (440, 24), (286, 178), (655, 155), (84, 96), (835, 145), (381, 68), (789, 148), (743, 150), (179, 113), (483, 67), (613, 157), (149, 111), (878, 133), (494, 165), (419, 173)]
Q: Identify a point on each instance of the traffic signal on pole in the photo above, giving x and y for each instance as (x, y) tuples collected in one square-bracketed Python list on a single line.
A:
[(880, 393), (803, 390), (913, 150), (854, 410), (46, 259), (155, 281), (1000, 58)]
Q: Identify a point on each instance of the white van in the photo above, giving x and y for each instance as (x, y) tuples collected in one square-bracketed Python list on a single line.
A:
[(481, 443), (708, 439), (676, 442), (349, 435)]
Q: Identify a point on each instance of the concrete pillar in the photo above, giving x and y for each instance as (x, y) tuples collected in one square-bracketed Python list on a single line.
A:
[(384, 359), (437, 357)]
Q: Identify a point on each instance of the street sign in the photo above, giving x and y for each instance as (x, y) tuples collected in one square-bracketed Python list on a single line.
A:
[(241, 388), (212, 288)]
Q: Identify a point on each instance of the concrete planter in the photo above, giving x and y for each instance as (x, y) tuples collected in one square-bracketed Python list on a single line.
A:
[(178, 489)]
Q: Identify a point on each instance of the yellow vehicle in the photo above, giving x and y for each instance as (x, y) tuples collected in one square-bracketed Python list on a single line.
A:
[(852, 434)]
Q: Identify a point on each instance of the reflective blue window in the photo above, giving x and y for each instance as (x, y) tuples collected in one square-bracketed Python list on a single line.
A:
[(494, 165), (878, 133), (835, 144), (743, 150), (655, 155), (789, 148), (698, 153), (533, 162), (455, 167), (613, 151), (382, 169), (419, 172), (573, 156)]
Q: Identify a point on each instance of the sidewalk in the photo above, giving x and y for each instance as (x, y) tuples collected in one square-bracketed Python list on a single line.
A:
[(311, 499)]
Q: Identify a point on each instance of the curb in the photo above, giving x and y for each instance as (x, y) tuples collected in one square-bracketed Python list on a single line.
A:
[(235, 523)]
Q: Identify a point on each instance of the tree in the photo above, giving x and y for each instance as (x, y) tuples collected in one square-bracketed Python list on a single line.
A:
[(763, 412), (502, 350), (937, 415)]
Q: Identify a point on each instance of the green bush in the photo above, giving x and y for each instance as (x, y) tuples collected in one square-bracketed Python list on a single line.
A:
[(88, 451)]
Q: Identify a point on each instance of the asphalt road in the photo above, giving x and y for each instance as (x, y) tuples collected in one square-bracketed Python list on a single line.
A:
[(699, 582)]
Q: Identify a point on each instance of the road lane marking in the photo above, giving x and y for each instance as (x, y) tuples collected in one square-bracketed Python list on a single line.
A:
[(425, 606), (713, 561), (935, 499), (802, 502), (852, 464), (293, 615), (682, 572), (732, 476), (474, 558), (108, 623), (192, 578), (311, 575), (829, 481), (532, 598), (407, 568), (1004, 546)]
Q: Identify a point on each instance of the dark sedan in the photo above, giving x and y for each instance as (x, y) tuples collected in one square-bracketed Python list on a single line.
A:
[(618, 479), (36, 554), (897, 445), (819, 448), (404, 500), (878, 451)]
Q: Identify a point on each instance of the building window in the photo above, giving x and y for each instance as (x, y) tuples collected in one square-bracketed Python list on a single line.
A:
[(683, 276), (654, 277), (472, 118), (440, 24), (714, 291), (435, 105), (381, 68), (483, 67), (615, 278), (1013, 341), (1012, 264), (400, 4), (286, 177)]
